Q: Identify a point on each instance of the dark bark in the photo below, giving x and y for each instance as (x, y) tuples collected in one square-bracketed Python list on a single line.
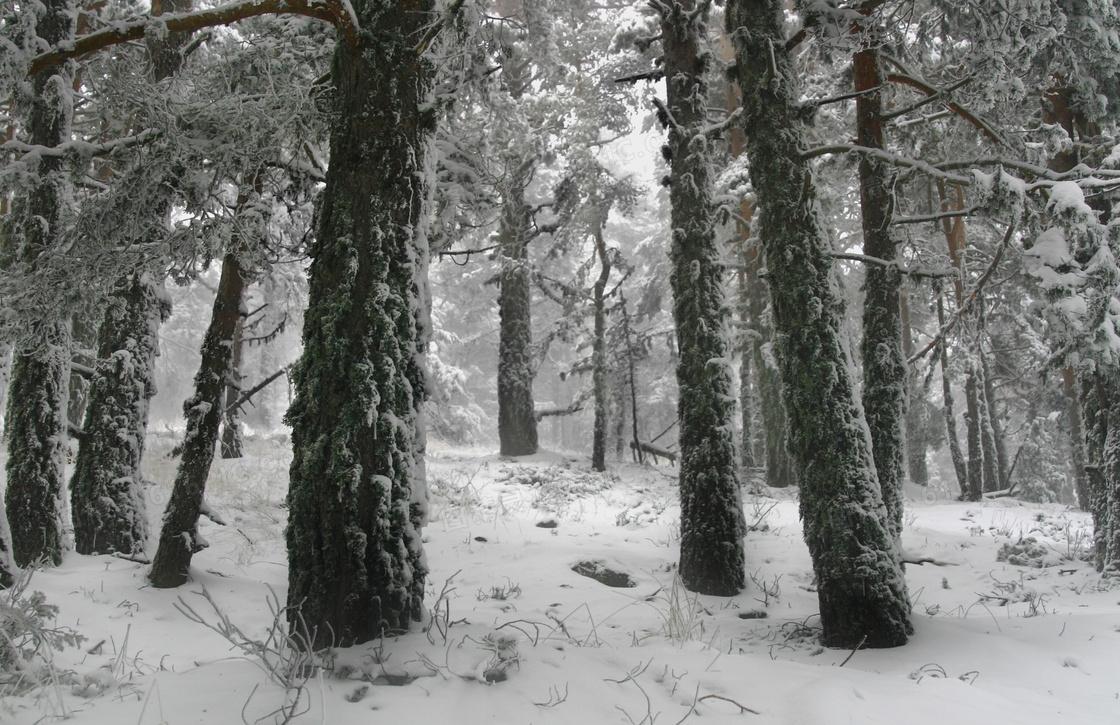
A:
[(960, 467), (517, 424), (357, 495), (1076, 440), (916, 424), (975, 489), (995, 422), (37, 396), (106, 499), (599, 353), (860, 585), (232, 444), (712, 525), (884, 366), (179, 538)]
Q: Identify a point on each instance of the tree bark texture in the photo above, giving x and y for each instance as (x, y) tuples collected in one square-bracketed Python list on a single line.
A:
[(599, 370), (917, 427), (179, 538), (517, 421), (884, 365), (106, 496), (712, 525), (860, 584), (37, 396), (960, 467), (357, 497), (232, 444)]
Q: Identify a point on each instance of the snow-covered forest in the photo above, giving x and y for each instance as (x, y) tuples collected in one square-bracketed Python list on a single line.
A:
[(557, 361)]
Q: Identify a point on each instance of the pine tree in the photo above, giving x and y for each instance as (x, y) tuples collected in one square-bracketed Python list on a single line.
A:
[(712, 525), (861, 589), (37, 395), (106, 499), (357, 495)]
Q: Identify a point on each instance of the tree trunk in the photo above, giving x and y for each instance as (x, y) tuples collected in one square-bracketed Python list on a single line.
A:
[(357, 497), (179, 538), (599, 354), (884, 367), (106, 495), (1076, 441), (959, 465), (232, 444), (916, 428), (37, 396), (517, 422), (106, 499), (860, 585), (975, 490), (712, 525)]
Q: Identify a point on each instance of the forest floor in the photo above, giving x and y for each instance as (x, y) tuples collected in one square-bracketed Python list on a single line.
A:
[(514, 634)]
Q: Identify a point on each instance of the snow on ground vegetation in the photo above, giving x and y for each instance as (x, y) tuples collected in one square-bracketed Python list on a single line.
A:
[(553, 599)]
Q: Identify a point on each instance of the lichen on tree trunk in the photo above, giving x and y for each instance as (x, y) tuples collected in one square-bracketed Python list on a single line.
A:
[(106, 500), (517, 423), (860, 585), (37, 396), (712, 526), (357, 497)]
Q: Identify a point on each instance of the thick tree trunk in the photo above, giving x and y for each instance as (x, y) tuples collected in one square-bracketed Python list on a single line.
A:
[(860, 584), (357, 497), (884, 367), (109, 512), (37, 396), (106, 497), (517, 422), (712, 525), (179, 538)]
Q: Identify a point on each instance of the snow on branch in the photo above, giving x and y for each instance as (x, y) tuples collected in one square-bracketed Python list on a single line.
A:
[(968, 301), (915, 272), (31, 153), (336, 12), (891, 158)]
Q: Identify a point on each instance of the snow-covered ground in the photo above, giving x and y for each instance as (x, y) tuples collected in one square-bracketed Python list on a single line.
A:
[(515, 635)]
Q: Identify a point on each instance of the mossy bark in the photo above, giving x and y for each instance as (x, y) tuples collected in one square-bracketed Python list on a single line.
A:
[(884, 366), (37, 395), (356, 501), (860, 585), (179, 539), (106, 499), (712, 526), (517, 422), (599, 354)]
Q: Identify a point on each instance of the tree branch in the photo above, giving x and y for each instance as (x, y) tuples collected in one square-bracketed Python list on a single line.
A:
[(336, 12), (967, 304), (895, 159), (934, 217), (928, 273)]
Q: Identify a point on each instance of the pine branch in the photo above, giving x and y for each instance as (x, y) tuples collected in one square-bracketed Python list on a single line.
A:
[(967, 304), (248, 394), (928, 273), (336, 12), (895, 159), (935, 217)]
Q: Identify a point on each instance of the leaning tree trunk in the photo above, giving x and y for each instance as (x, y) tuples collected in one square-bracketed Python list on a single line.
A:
[(357, 499), (884, 366), (712, 525), (860, 584), (37, 395), (106, 498), (179, 538), (517, 422)]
